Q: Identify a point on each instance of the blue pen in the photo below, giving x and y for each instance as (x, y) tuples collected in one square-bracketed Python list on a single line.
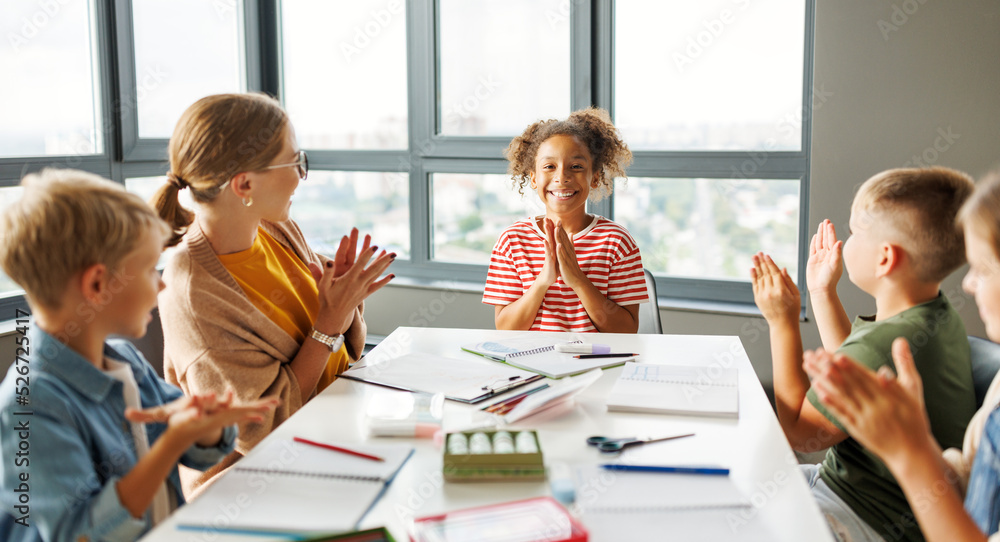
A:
[(676, 470)]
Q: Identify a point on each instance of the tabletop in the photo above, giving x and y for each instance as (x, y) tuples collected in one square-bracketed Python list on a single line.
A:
[(762, 464)]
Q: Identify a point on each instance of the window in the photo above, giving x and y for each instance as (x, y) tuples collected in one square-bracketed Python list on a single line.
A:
[(405, 108), (514, 72), (329, 203), (470, 212), (49, 102), (7, 196), (724, 75), (184, 50), (344, 66), (710, 228)]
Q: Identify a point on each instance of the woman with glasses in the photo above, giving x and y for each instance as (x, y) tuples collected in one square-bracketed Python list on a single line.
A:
[(248, 306)]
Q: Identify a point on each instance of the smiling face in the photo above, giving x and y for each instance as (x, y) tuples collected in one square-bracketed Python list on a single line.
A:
[(563, 176), (273, 196), (983, 279)]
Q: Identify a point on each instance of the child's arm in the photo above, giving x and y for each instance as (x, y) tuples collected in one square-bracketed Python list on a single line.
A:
[(607, 316), (823, 271), (776, 295), (190, 420), (521, 313), (887, 416)]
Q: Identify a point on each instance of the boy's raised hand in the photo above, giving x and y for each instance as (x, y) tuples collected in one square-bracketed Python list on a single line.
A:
[(825, 264), (885, 413), (201, 418), (774, 291)]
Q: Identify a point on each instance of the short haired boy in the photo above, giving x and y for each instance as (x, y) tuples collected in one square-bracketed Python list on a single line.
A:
[(105, 433), (903, 244)]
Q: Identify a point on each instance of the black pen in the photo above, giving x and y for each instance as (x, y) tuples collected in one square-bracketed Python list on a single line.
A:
[(589, 356)]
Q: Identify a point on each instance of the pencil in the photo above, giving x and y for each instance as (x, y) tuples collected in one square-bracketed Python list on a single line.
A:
[(337, 449), (590, 356)]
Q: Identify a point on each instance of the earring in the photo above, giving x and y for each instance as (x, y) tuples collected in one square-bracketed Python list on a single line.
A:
[(247, 201)]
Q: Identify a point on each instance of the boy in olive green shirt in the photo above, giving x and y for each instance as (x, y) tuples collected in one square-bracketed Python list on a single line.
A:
[(903, 244)]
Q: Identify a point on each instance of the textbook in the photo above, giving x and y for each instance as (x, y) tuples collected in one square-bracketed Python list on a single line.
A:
[(676, 389), (288, 487), (540, 356)]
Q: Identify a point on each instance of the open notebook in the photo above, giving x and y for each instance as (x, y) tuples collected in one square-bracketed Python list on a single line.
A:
[(616, 505), (289, 487), (464, 380), (676, 389), (540, 358)]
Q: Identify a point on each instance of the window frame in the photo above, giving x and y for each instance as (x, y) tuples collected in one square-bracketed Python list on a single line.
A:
[(125, 154)]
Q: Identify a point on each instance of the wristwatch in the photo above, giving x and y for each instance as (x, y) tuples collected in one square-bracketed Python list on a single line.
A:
[(333, 342)]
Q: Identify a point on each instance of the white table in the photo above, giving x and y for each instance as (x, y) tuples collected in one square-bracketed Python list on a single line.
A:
[(754, 447)]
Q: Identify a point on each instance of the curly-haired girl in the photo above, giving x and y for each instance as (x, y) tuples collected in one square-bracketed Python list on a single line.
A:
[(567, 270)]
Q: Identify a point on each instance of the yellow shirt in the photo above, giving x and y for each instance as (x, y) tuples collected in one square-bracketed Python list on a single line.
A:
[(281, 286)]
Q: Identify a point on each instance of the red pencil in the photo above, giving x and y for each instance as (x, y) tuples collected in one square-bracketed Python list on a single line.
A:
[(336, 449)]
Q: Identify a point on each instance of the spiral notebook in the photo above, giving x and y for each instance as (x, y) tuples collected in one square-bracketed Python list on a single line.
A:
[(289, 487), (676, 389), (641, 506), (541, 359)]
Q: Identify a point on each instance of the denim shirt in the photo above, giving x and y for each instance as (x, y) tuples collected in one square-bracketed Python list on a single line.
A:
[(76, 444), (982, 498)]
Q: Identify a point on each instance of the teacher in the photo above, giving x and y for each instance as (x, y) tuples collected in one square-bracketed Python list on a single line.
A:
[(248, 306)]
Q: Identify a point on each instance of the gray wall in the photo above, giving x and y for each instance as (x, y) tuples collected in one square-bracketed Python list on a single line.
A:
[(885, 94)]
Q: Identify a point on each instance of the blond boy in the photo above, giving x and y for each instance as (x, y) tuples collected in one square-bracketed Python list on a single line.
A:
[(99, 434), (903, 244)]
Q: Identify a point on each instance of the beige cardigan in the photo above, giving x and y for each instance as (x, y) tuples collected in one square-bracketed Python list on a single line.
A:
[(215, 339)]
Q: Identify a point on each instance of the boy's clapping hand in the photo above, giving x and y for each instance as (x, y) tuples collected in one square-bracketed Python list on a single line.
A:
[(825, 264), (201, 418), (885, 413), (774, 291)]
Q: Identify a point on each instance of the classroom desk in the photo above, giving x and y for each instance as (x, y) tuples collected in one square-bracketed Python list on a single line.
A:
[(754, 447)]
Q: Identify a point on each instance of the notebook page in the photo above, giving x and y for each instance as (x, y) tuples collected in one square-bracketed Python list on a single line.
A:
[(277, 502), (289, 456), (455, 378), (675, 389), (597, 488)]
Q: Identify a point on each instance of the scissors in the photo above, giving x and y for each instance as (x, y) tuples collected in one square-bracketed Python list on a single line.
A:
[(610, 445)]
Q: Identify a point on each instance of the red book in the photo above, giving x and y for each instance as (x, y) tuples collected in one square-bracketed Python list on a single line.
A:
[(531, 520)]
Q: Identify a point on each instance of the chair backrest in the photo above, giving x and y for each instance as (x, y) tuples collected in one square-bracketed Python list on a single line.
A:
[(649, 313), (985, 357)]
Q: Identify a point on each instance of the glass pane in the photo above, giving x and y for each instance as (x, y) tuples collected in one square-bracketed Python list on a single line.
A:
[(471, 210), (710, 228), (49, 99), (184, 50), (711, 75), (344, 65), (145, 188), (329, 203), (498, 77), (7, 196)]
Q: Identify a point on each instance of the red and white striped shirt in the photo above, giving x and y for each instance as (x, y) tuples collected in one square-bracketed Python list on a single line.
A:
[(606, 252)]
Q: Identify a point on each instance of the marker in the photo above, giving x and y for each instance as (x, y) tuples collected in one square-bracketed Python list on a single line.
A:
[(592, 356), (676, 470), (581, 348), (337, 449)]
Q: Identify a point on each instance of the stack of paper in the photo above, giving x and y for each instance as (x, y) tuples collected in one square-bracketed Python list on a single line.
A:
[(676, 389)]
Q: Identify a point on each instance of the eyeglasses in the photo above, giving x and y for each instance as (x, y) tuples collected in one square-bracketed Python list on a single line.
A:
[(302, 163)]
